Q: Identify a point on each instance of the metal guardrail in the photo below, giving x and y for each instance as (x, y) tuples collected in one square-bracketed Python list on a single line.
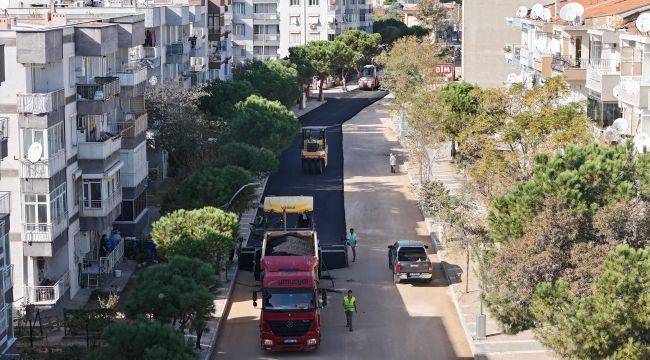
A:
[(104, 88), (561, 62), (48, 295), (40, 103)]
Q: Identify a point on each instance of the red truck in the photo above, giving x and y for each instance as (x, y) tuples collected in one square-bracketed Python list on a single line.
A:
[(289, 273)]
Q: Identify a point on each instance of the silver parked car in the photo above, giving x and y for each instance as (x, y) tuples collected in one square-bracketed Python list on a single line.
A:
[(409, 260)]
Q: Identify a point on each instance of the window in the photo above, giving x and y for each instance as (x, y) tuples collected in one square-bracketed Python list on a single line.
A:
[(238, 29), (265, 8), (313, 37), (239, 8), (31, 136), (58, 204), (294, 38), (294, 2), (36, 212), (55, 139), (131, 209), (294, 20), (314, 2), (331, 37), (314, 20), (92, 193), (213, 21)]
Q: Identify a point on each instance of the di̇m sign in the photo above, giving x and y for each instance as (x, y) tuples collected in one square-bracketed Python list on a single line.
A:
[(445, 70)]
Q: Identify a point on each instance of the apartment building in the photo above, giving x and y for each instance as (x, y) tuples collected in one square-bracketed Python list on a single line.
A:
[(6, 268), (219, 35), (602, 56), (266, 29)]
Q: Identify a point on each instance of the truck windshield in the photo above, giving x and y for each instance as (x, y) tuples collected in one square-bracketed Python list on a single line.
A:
[(412, 254), (368, 72), (289, 299)]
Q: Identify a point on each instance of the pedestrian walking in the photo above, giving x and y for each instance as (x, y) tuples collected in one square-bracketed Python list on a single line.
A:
[(392, 160), (352, 243), (350, 307)]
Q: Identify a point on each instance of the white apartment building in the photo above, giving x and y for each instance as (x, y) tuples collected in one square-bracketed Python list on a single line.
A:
[(266, 29), (603, 57)]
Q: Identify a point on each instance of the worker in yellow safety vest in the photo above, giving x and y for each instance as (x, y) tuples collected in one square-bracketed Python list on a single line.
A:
[(350, 307)]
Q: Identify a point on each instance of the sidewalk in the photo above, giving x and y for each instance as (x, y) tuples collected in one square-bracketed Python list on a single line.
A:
[(468, 305)]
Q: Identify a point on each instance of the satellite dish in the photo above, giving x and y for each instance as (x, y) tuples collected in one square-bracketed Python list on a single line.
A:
[(153, 80), (541, 44), (622, 126), (616, 91), (556, 47), (34, 152), (641, 142), (571, 11), (611, 135), (546, 14), (536, 11), (4, 4), (642, 22), (522, 11)]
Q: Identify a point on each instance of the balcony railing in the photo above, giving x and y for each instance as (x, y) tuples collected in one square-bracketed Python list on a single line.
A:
[(265, 16), (133, 127), (103, 89), (44, 232), (5, 312), (150, 52), (99, 150), (561, 62), (266, 37), (131, 180), (43, 168), (7, 277), (132, 76), (603, 65), (175, 49), (107, 263), (41, 103), (49, 294), (5, 202), (100, 208)]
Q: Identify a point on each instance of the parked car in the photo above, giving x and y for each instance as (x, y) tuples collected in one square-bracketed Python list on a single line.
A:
[(409, 260)]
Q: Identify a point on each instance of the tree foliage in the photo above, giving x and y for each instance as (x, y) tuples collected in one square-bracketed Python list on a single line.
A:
[(143, 340), (211, 186), (274, 80), (259, 162), (208, 234), (432, 13), (263, 123), (298, 56), (613, 322), (343, 59), (178, 126), (176, 293), (218, 102), (391, 28), (368, 45)]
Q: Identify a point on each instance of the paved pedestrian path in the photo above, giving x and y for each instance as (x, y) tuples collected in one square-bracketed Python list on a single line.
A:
[(497, 345)]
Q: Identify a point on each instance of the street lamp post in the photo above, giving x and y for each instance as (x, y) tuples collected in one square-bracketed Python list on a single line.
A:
[(227, 205)]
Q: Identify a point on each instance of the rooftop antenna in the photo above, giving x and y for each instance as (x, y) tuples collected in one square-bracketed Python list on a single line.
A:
[(546, 15), (522, 11), (643, 23), (537, 11)]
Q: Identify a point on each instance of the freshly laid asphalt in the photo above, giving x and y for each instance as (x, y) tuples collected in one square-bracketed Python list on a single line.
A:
[(327, 188)]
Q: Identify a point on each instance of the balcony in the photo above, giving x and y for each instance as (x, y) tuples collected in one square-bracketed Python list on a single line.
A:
[(131, 180), (635, 91), (602, 76), (104, 88), (49, 294), (5, 317), (197, 64), (41, 103), (175, 49), (5, 202), (102, 207), (512, 54), (4, 137), (44, 168), (265, 57), (275, 38), (134, 126), (574, 69), (100, 150), (44, 232), (132, 75)]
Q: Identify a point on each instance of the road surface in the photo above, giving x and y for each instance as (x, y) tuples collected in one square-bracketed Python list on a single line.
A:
[(407, 321)]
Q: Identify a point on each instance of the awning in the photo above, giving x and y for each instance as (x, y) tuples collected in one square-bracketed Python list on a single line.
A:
[(289, 204)]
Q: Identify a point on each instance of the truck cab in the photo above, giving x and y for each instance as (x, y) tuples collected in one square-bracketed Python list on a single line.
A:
[(369, 79), (291, 303)]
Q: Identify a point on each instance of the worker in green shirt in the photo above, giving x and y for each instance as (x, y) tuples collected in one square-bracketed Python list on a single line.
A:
[(350, 307), (352, 243)]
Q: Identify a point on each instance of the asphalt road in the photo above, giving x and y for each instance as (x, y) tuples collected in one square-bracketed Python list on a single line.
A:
[(405, 321), (327, 189)]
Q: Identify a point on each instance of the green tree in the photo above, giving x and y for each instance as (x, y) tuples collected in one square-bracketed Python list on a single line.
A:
[(208, 234), (211, 186), (368, 45), (274, 80), (143, 340), (176, 293), (611, 323), (319, 53), (306, 71), (588, 177), (263, 123), (343, 60), (178, 126), (259, 162), (432, 13), (218, 102)]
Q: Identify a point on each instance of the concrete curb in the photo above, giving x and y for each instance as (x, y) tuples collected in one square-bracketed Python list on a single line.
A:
[(224, 314)]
